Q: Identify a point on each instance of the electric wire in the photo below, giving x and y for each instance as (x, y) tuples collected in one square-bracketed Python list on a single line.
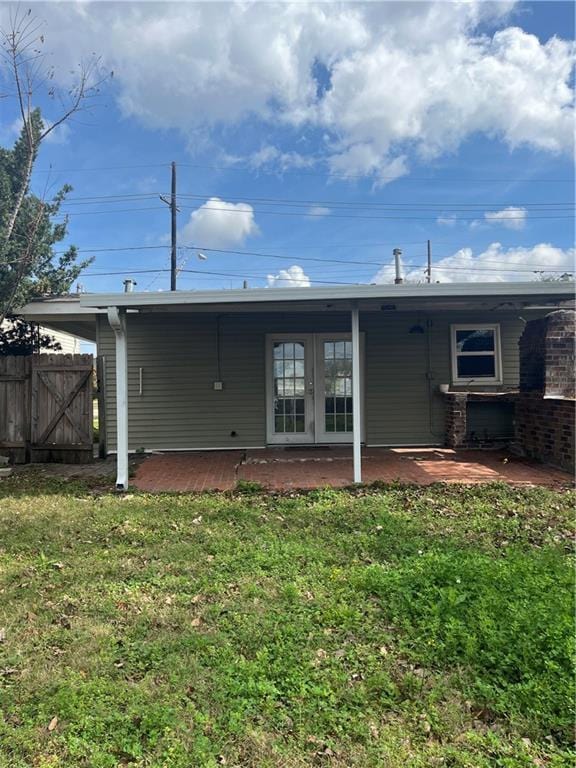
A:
[(299, 172)]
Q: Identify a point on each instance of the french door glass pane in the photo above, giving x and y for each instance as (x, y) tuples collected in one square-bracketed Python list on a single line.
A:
[(338, 386), (289, 387)]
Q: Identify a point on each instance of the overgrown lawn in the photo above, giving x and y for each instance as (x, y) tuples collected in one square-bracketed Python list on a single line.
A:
[(398, 627)]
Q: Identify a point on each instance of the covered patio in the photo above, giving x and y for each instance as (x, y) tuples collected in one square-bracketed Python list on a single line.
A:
[(284, 469), (302, 388)]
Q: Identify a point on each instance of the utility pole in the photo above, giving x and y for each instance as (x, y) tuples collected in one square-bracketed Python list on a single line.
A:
[(429, 268), (173, 227)]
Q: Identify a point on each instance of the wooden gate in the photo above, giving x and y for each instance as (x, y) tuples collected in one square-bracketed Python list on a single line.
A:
[(46, 408), (61, 408)]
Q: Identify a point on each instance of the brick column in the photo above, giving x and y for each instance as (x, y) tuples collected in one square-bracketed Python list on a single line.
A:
[(532, 355), (545, 408), (559, 379), (456, 419)]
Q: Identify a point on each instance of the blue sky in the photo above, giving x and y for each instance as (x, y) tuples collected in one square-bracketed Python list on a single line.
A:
[(327, 132)]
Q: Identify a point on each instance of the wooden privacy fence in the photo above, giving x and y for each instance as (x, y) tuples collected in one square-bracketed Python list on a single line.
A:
[(46, 408)]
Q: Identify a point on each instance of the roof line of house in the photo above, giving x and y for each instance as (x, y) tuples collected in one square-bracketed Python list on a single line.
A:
[(352, 292)]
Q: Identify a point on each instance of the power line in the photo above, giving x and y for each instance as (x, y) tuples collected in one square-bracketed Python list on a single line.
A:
[(324, 246), (312, 214), (200, 272), (382, 266), (112, 210), (306, 214), (350, 216), (348, 262), (101, 168), (278, 256), (123, 272), (346, 176), (300, 172), (292, 257), (444, 206)]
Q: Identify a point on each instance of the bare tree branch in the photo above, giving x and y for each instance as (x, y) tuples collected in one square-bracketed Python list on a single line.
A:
[(20, 48)]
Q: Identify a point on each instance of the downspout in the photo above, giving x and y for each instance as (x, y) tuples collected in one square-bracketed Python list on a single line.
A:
[(117, 320)]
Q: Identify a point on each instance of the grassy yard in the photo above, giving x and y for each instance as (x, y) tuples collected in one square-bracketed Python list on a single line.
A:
[(400, 627)]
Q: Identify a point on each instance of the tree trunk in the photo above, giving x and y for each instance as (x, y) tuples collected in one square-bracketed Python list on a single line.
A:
[(18, 204)]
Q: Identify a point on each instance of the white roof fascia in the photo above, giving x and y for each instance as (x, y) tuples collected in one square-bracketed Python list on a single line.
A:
[(57, 308), (560, 291)]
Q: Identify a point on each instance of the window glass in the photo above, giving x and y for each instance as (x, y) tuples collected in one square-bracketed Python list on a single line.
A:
[(289, 387), (475, 341), (476, 366), (338, 386)]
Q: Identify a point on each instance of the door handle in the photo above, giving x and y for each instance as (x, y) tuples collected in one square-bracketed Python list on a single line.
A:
[(310, 387)]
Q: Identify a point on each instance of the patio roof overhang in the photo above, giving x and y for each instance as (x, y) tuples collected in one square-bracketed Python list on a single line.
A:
[(63, 314), (493, 296)]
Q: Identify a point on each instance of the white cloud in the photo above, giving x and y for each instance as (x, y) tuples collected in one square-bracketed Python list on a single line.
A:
[(400, 80), (9, 132), (446, 221), (511, 217), (491, 265), (293, 277), (269, 156), (218, 224), (319, 211)]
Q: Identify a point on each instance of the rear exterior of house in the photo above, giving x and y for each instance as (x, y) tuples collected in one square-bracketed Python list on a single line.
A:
[(247, 380), (377, 365)]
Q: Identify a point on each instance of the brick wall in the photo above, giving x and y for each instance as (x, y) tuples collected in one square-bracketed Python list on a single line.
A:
[(545, 406), (545, 429)]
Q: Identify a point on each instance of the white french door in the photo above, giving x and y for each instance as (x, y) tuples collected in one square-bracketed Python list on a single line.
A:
[(309, 388), (290, 388)]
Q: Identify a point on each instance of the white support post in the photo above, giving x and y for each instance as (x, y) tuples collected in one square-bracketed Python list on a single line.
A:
[(356, 399), (117, 320)]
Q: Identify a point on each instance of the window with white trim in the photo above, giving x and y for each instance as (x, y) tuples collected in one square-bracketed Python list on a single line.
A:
[(476, 354)]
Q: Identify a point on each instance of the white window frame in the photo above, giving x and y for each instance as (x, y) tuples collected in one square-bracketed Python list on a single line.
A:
[(495, 328)]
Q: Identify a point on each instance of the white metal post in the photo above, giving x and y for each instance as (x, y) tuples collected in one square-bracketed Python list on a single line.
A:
[(356, 399), (117, 320)]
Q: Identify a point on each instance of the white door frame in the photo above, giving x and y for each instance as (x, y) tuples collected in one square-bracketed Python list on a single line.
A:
[(287, 438), (314, 396)]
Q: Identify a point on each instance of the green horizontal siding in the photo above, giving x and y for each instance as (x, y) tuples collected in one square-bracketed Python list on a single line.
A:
[(179, 408)]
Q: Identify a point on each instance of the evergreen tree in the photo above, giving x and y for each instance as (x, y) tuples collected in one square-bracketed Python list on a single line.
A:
[(29, 267), (19, 337)]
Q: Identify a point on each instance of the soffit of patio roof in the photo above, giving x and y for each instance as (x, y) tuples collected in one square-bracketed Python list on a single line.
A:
[(63, 313), (445, 296)]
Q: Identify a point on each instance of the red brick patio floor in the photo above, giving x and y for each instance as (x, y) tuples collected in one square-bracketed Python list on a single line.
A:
[(195, 471), (281, 469)]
